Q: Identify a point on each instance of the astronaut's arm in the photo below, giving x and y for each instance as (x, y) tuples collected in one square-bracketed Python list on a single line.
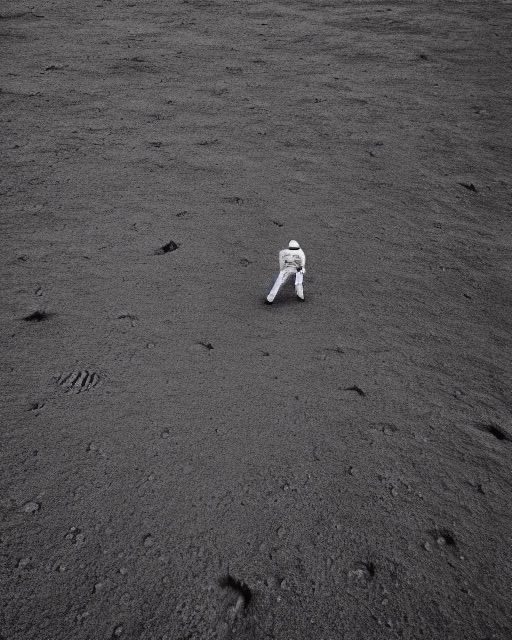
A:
[(303, 261), (281, 261)]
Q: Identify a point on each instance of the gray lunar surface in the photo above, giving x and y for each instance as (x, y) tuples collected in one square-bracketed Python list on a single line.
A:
[(180, 461)]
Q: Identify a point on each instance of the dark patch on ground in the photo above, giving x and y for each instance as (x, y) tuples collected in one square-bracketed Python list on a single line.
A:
[(37, 316), (357, 389), (494, 430), (167, 248)]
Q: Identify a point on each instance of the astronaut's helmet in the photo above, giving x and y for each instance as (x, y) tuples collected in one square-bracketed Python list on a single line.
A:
[(293, 244)]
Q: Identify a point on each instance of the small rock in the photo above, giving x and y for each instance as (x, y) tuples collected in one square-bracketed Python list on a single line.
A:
[(92, 447), (23, 562), (270, 582), (389, 430), (98, 587), (284, 584), (118, 631), (281, 532), (165, 434), (79, 539), (61, 568), (123, 571), (427, 546), (358, 574), (148, 541), (82, 616), (31, 507)]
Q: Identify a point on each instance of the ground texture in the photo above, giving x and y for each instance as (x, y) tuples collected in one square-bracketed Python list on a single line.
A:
[(347, 459)]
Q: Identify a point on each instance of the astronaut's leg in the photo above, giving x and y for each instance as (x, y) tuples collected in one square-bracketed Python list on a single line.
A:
[(280, 280), (299, 288)]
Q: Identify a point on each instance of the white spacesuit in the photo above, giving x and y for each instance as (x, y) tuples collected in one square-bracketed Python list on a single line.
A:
[(292, 261)]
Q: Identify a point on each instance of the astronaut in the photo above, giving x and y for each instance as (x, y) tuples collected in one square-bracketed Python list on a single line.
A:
[(292, 261)]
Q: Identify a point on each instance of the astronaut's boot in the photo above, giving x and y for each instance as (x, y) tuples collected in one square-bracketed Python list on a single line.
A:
[(299, 290)]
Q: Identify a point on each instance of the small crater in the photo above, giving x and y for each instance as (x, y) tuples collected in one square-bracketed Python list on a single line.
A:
[(167, 248), (37, 316), (495, 430), (239, 587), (277, 223), (245, 262)]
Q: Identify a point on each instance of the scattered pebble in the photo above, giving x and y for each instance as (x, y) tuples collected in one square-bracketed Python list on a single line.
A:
[(148, 540)]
